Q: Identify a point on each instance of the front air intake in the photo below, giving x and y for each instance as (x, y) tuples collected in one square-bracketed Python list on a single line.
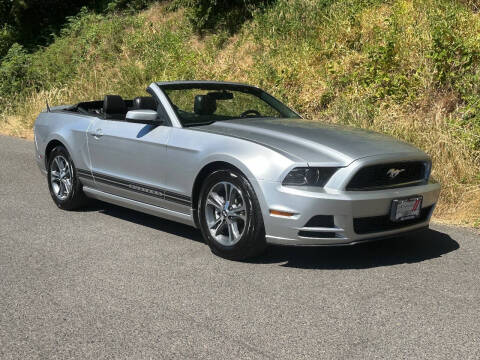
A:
[(373, 224), (321, 221)]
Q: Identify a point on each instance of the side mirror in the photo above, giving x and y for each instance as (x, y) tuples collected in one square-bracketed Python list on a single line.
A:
[(143, 116)]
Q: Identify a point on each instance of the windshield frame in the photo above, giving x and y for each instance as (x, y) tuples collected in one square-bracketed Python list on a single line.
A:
[(262, 95)]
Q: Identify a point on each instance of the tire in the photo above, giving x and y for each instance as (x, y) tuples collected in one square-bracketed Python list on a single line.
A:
[(231, 226), (65, 188)]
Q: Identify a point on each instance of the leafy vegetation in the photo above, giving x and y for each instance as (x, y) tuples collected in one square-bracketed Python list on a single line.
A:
[(34, 22), (210, 15), (407, 68)]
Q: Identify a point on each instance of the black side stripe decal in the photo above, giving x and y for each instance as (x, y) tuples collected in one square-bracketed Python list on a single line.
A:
[(136, 187), (84, 174)]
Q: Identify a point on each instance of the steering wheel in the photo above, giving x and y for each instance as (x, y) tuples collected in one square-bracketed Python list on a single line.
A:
[(249, 113)]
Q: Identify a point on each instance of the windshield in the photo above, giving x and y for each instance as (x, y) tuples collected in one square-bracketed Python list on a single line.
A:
[(197, 105)]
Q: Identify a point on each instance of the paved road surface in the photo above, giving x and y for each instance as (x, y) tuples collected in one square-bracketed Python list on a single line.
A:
[(112, 283)]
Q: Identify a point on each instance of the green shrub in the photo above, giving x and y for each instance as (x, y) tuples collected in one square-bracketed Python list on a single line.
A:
[(383, 74), (208, 15), (456, 62), (6, 39), (13, 71), (451, 57), (133, 5)]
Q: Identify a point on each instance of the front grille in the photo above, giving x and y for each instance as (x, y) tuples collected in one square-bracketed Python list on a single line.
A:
[(387, 176), (373, 224)]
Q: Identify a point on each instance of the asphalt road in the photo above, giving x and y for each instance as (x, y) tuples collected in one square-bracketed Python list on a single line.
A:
[(112, 283)]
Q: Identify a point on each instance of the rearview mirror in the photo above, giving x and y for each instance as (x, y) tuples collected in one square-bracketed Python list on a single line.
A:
[(143, 116)]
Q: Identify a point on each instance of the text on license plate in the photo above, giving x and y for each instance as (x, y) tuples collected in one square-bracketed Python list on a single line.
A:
[(406, 209)]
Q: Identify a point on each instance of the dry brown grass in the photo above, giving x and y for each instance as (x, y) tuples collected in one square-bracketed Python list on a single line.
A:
[(158, 15), (235, 61), (18, 122), (13, 126)]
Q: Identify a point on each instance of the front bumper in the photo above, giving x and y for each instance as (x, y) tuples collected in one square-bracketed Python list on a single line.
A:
[(39, 158), (41, 164), (344, 207)]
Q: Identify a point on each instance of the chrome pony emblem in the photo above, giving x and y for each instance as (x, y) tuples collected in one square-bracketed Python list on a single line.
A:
[(393, 173)]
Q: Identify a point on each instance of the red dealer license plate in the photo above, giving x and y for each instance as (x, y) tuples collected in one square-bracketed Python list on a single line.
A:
[(406, 209)]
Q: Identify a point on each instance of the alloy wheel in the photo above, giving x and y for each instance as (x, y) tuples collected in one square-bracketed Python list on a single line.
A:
[(226, 213), (61, 177)]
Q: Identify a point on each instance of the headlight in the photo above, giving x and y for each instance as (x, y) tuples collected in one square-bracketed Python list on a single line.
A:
[(428, 170), (309, 176)]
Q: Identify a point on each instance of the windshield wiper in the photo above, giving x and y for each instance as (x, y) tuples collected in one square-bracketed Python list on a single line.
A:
[(248, 117), (199, 123)]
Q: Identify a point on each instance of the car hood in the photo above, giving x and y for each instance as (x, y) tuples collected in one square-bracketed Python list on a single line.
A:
[(311, 141)]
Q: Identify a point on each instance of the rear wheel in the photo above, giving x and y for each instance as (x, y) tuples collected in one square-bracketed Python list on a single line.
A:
[(65, 188), (230, 217)]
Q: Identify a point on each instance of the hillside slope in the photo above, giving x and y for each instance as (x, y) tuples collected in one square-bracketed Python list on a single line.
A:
[(407, 68)]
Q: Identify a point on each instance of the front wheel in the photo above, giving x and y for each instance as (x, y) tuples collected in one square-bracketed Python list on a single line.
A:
[(65, 188), (230, 217)]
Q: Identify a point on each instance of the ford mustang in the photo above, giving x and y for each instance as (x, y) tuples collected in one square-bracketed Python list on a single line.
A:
[(238, 164)]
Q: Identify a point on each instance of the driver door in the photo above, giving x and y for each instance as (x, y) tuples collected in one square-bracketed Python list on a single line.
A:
[(128, 159)]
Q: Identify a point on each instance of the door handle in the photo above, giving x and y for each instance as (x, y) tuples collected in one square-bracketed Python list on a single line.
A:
[(97, 133)]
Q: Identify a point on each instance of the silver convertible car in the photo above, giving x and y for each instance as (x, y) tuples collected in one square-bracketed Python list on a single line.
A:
[(235, 162)]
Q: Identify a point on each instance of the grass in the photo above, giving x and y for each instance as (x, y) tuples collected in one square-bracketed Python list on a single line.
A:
[(410, 69)]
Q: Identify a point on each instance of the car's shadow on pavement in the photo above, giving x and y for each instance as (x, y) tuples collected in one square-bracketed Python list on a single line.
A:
[(150, 221), (418, 247)]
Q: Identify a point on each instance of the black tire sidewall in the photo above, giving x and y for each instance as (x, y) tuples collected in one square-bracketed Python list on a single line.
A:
[(72, 200), (252, 241)]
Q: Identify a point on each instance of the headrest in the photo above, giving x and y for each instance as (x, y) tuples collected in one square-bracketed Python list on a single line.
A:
[(204, 105), (114, 104), (145, 102)]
